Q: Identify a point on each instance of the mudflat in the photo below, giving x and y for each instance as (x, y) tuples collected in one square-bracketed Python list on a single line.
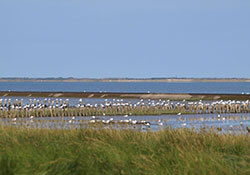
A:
[(170, 96)]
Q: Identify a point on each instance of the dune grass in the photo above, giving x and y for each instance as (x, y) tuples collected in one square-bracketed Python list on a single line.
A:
[(103, 151)]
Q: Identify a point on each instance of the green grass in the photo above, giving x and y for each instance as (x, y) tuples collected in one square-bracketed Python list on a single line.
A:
[(86, 112), (97, 112), (101, 151)]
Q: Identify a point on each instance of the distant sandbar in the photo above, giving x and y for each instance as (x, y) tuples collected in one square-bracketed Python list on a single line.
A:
[(125, 80)]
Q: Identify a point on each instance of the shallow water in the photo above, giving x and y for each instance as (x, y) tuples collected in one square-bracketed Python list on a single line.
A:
[(225, 122), (143, 87), (230, 122)]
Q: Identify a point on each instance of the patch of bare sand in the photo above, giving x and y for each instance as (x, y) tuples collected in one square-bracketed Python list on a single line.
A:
[(216, 97), (57, 95), (91, 95), (103, 96)]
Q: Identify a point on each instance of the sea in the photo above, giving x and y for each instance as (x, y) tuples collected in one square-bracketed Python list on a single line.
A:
[(131, 87)]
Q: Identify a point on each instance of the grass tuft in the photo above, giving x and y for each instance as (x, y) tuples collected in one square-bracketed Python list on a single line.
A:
[(104, 151)]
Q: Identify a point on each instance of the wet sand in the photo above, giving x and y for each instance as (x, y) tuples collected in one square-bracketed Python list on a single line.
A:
[(170, 96)]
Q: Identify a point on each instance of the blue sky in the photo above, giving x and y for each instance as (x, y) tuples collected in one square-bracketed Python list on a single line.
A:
[(130, 38)]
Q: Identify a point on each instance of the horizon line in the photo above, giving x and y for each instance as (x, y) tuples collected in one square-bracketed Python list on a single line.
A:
[(90, 78)]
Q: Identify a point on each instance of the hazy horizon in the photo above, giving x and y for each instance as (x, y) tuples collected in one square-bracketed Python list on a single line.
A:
[(119, 78)]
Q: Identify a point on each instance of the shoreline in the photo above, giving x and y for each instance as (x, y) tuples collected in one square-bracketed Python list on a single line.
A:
[(169, 96), (124, 79)]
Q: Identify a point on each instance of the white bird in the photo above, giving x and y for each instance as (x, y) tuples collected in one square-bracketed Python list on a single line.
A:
[(160, 123), (231, 127), (179, 114), (92, 121), (133, 122), (126, 121)]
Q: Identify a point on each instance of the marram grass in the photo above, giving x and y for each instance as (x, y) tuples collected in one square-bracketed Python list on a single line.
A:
[(102, 151)]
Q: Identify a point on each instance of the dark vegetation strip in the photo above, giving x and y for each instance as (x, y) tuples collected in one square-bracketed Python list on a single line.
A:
[(70, 112)]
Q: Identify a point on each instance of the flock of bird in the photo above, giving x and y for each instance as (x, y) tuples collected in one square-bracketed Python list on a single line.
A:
[(34, 107), (115, 105), (218, 122)]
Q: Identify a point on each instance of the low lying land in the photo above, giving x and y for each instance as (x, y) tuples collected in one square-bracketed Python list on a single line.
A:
[(71, 79), (170, 96), (93, 151)]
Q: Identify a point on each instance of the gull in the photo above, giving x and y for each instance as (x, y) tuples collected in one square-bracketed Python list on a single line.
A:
[(231, 127), (184, 124), (133, 122), (160, 123), (241, 123), (92, 121), (148, 124), (126, 121)]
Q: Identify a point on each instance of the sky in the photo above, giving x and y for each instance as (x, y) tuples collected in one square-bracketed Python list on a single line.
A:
[(125, 38)]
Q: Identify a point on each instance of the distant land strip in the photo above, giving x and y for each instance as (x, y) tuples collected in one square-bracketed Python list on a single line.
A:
[(165, 96), (71, 79)]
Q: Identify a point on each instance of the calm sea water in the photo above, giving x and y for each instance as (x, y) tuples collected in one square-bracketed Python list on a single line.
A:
[(153, 87)]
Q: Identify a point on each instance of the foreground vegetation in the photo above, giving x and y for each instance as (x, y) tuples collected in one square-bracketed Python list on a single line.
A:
[(102, 151)]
